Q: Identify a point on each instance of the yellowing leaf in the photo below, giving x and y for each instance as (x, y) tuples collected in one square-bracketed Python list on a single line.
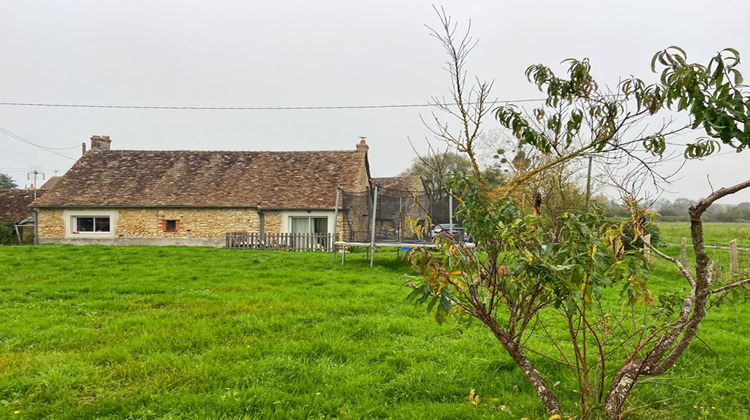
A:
[(473, 398)]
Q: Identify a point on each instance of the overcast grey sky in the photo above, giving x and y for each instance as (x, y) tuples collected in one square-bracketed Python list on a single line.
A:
[(321, 53)]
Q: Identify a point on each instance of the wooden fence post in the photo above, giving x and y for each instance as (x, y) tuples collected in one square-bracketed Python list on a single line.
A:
[(683, 252), (734, 265)]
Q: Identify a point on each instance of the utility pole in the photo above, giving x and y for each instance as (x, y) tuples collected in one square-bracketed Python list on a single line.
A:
[(450, 211), (588, 185), (34, 174)]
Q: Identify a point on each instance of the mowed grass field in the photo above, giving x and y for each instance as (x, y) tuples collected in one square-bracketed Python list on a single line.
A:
[(715, 233), (159, 333)]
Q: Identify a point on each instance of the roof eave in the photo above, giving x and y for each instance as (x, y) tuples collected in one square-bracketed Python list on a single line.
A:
[(83, 206)]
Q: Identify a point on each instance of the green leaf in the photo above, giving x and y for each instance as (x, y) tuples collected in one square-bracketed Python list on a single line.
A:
[(440, 317), (432, 303), (738, 80), (735, 58), (445, 303), (414, 293), (653, 61), (675, 47)]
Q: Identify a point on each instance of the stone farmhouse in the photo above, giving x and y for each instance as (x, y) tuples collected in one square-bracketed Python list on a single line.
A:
[(133, 197)]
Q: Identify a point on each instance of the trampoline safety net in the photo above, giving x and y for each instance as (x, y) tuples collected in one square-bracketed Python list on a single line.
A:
[(391, 207)]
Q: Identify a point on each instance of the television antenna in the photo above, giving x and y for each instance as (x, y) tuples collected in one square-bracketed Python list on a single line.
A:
[(34, 173)]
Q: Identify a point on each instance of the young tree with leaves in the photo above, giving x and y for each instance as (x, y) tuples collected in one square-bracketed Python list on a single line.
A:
[(532, 273)]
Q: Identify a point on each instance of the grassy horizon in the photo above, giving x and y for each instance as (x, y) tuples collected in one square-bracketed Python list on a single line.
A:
[(174, 332)]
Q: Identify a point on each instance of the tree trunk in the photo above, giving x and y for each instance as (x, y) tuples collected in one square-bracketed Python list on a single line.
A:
[(548, 398), (694, 308), (620, 389)]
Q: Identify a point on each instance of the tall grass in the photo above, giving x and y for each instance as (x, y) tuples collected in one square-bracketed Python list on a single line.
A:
[(139, 332)]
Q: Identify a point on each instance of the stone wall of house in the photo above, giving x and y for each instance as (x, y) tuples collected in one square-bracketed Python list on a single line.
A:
[(51, 224), (149, 226), (363, 180), (272, 221), (356, 226), (340, 226), (190, 223), (353, 223)]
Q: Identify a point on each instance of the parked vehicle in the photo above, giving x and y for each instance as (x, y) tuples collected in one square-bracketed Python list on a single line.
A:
[(457, 231)]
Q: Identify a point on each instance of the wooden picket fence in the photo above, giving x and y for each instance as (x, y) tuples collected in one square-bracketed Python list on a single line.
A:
[(322, 242)]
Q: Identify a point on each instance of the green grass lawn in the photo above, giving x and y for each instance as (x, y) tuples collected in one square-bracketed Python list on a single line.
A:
[(153, 333), (716, 233)]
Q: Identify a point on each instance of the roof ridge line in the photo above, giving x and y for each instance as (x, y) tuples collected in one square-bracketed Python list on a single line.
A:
[(228, 151)]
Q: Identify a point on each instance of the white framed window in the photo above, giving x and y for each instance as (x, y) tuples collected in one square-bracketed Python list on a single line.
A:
[(90, 223), (307, 222)]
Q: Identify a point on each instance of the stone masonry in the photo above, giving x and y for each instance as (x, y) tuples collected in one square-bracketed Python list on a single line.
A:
[(148, 226)]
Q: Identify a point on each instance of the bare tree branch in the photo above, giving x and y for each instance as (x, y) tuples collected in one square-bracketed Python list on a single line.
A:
[(730, 286), (684, 271)]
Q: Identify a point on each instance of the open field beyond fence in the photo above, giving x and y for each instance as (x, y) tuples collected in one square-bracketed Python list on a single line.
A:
[(718, 234), (147, 333), (717, 240)]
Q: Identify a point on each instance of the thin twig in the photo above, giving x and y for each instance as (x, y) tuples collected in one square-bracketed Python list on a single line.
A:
[(673, 386), (657, 378), (684, 271), (730, 286)]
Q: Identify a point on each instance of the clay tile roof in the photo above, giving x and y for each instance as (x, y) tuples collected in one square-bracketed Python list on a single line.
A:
[(400, 185), (409, 182), (14, 204), (134, 178), (50, 183)]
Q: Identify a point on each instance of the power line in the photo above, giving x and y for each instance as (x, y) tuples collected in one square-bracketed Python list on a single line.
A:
[(245, 108), (31, 143), (64, 148)]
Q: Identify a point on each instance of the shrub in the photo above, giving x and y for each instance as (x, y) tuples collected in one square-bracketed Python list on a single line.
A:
[(8, 234), (649, 228)]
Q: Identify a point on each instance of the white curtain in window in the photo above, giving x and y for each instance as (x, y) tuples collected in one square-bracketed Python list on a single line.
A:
[(300, 225)]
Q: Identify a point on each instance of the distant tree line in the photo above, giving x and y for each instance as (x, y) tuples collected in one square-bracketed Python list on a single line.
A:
[(677, 211)]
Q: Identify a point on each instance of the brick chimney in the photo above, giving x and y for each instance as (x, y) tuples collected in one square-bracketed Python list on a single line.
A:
[(100, 142), (362, 145)]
